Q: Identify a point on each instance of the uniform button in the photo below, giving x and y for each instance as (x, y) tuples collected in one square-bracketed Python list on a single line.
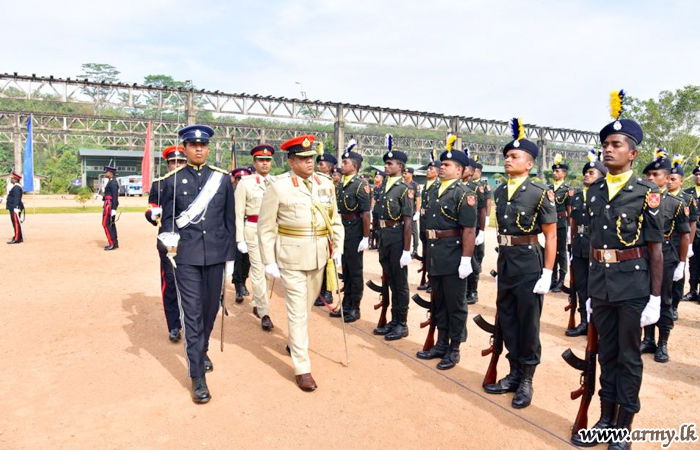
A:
[(199, 174), (205, 231), (508, 203), (204, 218), (432, 245), (636, 267), (505, 217), (605, 227), (504, 230), (458, 242), (605, 246), (624, 215), (591, 212), (529, 247), (433, 215), (522, 213), (607, 265), (590, 264), (607, 206)]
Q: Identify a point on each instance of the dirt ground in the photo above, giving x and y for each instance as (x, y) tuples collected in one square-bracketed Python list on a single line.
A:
[(87, 364)]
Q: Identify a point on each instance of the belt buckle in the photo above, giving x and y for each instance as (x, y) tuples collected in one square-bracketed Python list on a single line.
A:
[(431, 234), (382, 223), (503, 239), (608, 256)]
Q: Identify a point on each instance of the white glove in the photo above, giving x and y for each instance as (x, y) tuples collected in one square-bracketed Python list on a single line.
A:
[(242, 247), (465, 267), (679, 273), (364, 245), (405, 258), (651, 312), (273, 270), (496, 279), (479, 238), (156, 212), (589, 309), (229, 268), (486, 222), (114, 212), (338, 260), (543, 284), (17, 210), (416, 216), (691, 253), (98, 197)]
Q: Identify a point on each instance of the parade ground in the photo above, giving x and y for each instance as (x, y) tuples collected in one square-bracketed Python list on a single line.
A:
[(88, 364)]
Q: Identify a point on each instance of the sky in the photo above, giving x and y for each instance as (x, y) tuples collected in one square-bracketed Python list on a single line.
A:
[(550, 62)]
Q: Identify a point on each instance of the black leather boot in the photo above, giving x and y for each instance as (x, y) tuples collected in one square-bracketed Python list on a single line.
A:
[(509, 383), (200, 391), (239, 293), (208, 365), (523, 396), (648, 344), (439, 349), (244, 290), (624, 421), (691, 296), (661, 354), (399, 331), (451, 358), (475, 291), (581, 329), (608, 411), (674, 310), (557, 287), (386, 329)]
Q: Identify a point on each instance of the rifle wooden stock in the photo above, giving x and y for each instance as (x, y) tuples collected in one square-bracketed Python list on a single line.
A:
[(495, 349), (571, 307), (587, 389), (384, 304), (426, 323), (430, 338)]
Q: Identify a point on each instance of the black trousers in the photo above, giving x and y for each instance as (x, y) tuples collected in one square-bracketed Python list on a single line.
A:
[(109, 225), (199, 294), (169, 292), (519, 311), (415, 236), (560, 263), (477, 258), (579, 267), (353, 280), (694, 266), (16, 226), (450, 306), (390, 250), (241, 268), (619, 354)]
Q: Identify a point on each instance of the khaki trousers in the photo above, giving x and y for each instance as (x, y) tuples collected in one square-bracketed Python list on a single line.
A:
[(257, 269)]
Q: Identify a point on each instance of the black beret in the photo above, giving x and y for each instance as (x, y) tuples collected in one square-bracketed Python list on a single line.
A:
[(696, 170), (352, 155), (327, 157), (524, 145), (560, 166), (658, 164), (595, 165), (396, 155), (456, 156), (409, 170), (479, 166), (627, 127), (678, 170)]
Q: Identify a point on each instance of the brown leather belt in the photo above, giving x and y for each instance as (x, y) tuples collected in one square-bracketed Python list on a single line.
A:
[(350, 216), (440, 234), (252, 219), (507, 240), (388, 223), (615, 256), (561, 214)]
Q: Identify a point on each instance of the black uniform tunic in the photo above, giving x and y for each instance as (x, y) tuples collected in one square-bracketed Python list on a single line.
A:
[(562, 199), (691, 213), (14, 201), (520, 267), (414, 194), (580, 247), (675, 219), (111, 203), (620, 291)]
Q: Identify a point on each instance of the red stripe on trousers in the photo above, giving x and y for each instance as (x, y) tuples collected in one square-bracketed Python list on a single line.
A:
[(15, 223), (105, 216)]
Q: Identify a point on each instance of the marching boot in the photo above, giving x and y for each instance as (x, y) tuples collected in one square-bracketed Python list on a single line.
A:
[(399, 331), (661, 354), (200, 391), (438, 350), (386, 329), (12, 241), (244, 290), (691, 296), (352, 315), (674, 310), (451, 358), (266, 323), (608, 411), (624, 421), (208, 365), (475, 290), (509, 383), (649, 343), (523, 397), (239, 293), (581, 329), (560, 283), (174, 335)]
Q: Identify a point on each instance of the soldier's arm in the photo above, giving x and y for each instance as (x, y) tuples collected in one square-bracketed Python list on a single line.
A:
[(267, 225), (166, 202), (153, 201), (550, 244), (240, 199), (407, 212), (656, 263), (467, 219), (363, 195), (683, 229), (653, 230)]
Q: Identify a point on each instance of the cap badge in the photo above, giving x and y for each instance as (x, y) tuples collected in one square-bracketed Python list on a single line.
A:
[(198, 133), (390, 155), (516, 144), (617, 125), (306, 143)]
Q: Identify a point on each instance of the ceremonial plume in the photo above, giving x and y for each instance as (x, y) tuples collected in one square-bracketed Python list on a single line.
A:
[(617, 104), (558, 158), (351, 145), (388, 141), (517, 129)]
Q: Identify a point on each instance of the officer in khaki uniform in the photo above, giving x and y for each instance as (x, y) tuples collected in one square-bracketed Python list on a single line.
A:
[(294, 243), (249, 194)]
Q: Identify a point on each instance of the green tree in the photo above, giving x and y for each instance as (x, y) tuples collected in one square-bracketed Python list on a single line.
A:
[(99, 73), (60, 164), (83, 195)]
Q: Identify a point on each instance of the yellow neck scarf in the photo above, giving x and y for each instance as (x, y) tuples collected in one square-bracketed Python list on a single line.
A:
[(444, 185), (390, 181), (347, 179), (513, 185), (429, 183), (697, 191), (585, 191), (557, 184), (676, 192), (616, 182)]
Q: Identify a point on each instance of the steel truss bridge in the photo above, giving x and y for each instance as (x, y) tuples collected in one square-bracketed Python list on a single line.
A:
[(136, 105)]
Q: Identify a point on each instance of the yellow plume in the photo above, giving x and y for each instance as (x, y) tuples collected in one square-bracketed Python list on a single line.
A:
[(661, 153), (319, 148), (521, 130), (677, 160), (615, 105), (697, 160), (558, 158), (450, 141)]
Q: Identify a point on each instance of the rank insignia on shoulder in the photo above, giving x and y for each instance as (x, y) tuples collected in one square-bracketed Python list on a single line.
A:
[(654, 200), (411, 193), (367, 189), (471, 201), (571, 192), (550, 195)]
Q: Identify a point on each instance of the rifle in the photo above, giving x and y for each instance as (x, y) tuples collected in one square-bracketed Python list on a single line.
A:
[(587, 368), (224, 311), (383, 298), (571, 307), (423, 267), (496, 344), (430, 306)]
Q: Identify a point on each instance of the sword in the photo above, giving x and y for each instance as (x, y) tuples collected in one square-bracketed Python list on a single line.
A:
[(224, 311)]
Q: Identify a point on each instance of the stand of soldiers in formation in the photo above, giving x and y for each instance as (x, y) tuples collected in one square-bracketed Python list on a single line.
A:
[(627, 238)]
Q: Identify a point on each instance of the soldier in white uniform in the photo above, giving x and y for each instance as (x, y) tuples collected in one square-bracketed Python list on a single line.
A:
[(249, 195), (299, 230)]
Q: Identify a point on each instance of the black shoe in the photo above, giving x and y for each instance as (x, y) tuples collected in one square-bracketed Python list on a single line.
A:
[(386, 329), (174, 335), (608, 411), (112, 247), (423, 287), (337, 314), (582, 329), (328, 297), (523, 396), (648, 344), (244, 290), (471, 298), (200, 391), (266, 323), (439, 350), (429, 290), (449, 360), (352, 315), (208, 365), (239, 293), (398, 332), (12, 241), (509, 383), (557, 287), (661, 354), (674, 313), (691, 296), (624, 421), (318, 301)]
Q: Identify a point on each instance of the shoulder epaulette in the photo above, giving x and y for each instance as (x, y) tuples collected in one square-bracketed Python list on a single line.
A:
[(542, 186), (646, 183), (218, 169), (169, 174)]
